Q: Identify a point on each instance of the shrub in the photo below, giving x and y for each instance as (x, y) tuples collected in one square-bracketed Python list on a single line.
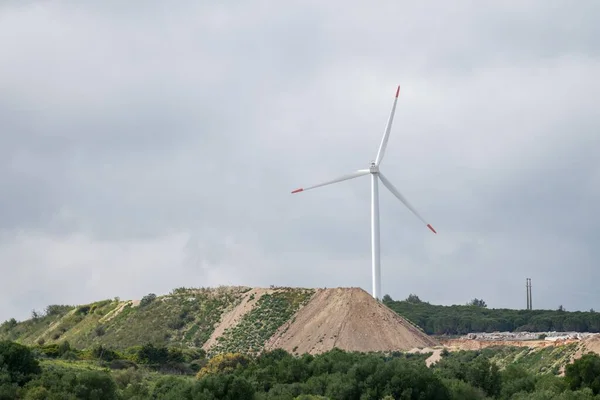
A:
[(223, 363), (147, 299), (18, 361), (584, 373), (56, 309), (100, 330), (122, 364)]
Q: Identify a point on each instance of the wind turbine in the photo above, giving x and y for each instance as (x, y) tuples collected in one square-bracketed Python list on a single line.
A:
[(376, 175)]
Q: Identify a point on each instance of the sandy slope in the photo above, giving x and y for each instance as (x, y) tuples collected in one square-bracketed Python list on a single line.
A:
[(588, 345), (592, 344), (349, 319), (231, 318)]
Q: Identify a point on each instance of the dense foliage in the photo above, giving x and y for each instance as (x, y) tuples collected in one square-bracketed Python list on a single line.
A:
[(151, 372), (476, 317)]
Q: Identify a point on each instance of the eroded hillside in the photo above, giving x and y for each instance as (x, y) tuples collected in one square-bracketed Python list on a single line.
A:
[(229, 319), (186, 317)]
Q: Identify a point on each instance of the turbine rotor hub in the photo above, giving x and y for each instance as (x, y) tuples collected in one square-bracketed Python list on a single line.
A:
[(374, 169)]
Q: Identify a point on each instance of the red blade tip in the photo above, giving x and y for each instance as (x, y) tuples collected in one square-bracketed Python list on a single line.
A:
[(431, 227), (297, 190), (398, 91)]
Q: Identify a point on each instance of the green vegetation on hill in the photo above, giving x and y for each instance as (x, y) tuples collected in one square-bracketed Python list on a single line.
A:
[(257, 326), (185, 317), (151, 372), (123, 350), (535, 361), (188, 317), (476, 317)]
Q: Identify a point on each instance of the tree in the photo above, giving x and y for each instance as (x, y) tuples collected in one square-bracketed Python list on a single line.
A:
[(477, 303), (223, 363), (387, 298), (484, 374), (413, 298), (18, 361), (56, 309), (584, 373), (8, 325), (147, 299), (150, 354), (95, 385)]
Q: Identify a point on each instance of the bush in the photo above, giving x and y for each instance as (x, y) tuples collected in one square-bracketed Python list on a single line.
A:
[(122, 364), (56, 309), (147, 299), (8, 325), (50, 350), (18, 362), (96, 385), (102, 353), (100, 330), (584, 373), (223, 363)]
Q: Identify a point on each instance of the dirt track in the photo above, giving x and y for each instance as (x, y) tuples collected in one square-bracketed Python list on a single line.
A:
[(349, 319)]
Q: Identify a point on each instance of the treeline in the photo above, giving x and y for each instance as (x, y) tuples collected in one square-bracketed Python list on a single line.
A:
[(26, 373), (476, 317)]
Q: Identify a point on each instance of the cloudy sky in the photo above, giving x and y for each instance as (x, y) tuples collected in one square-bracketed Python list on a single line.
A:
[(151, 145)]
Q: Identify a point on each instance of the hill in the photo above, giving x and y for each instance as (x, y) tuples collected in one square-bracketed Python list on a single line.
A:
[(227, 319)]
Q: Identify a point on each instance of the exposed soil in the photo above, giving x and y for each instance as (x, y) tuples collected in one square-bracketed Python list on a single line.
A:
[(474, 344), (349, 319), (231, 318), (592, 344), (118, 309), (436, 354), (588, 345)]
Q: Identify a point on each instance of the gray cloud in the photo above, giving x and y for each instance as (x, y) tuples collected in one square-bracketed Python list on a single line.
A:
[(145, 148)]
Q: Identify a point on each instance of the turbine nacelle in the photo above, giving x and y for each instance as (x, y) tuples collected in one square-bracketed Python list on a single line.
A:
[(374, 169), (376, 176)]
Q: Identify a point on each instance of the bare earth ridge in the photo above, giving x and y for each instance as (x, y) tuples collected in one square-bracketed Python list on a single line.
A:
[(349, 319)]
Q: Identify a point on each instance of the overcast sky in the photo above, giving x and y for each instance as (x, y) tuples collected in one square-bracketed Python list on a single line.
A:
[(151, 145)]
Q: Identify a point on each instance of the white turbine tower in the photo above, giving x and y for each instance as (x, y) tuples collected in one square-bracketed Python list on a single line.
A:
[(375, 175)]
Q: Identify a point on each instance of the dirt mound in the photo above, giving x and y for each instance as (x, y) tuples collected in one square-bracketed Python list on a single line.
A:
[(349, 319)]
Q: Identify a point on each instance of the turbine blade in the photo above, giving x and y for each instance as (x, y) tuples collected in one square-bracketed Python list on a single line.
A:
[(355, 174), (388, 128), (396, 193)]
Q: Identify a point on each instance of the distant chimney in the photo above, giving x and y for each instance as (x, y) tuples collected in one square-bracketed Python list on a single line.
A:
[(528, 288), (530, 300), (527, 291)]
